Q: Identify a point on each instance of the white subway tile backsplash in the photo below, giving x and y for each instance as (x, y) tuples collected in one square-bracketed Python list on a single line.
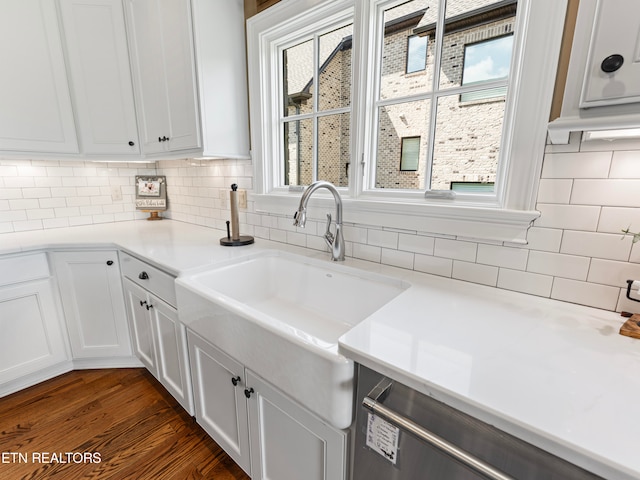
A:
[(55, 222), (574, 217), (508, 257), (553, 190), (558, 265), (455, 249), (433, 265), (40, 213), (525, 282), (546, 239), (26, 225), (475, 273), (616, 219), (625, 164), (607, 192), (583, 293), (596, 245), (383, 238), (577, 165), (18, 182), (397, 258), (416, 243), (367, 252), (614, 273), (23, 204), (36, 192)]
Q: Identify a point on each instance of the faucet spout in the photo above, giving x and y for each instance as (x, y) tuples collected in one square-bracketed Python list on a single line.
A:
[(334, 241)]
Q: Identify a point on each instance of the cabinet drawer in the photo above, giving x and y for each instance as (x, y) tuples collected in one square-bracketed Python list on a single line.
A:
[(23, 268), (148, 277)]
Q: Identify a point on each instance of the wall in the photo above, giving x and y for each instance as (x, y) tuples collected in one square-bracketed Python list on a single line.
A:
[(576, 253), (37, 194)]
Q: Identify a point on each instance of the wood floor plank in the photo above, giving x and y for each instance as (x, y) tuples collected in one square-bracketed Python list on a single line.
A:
[(124, 415)]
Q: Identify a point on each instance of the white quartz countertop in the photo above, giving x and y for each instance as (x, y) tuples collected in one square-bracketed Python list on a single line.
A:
[(554, 374)]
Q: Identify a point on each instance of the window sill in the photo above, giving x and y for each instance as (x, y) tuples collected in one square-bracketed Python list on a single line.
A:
[(476, 222)]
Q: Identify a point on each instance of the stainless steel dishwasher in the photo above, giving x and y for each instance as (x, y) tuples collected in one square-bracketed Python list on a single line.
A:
[(402, 434)]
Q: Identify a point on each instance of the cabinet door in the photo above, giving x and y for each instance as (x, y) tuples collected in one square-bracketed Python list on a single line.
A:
[(288, 442), (172, 355), (612, 73), (96, 45), (32, 336), (161, 47), (221, 407), (36, 113), (93, 302), (137, 300)]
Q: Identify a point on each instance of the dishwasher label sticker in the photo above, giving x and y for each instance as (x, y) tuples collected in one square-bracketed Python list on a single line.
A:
[(382, 437)]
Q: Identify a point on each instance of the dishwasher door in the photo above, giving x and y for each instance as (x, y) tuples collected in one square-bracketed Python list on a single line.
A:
[(415, 437)]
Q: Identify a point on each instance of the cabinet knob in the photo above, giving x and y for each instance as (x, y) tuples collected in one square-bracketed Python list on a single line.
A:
[(131, 144), (109, 262), (143, 276), (159, 139), (235, 380), (143, 303), (248, 392), (612, 63), (148, 306)]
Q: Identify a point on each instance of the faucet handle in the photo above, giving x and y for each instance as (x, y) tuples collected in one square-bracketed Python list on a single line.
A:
[(327, 234)]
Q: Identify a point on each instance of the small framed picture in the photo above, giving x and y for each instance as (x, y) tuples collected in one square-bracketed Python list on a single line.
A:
[(151, 193)]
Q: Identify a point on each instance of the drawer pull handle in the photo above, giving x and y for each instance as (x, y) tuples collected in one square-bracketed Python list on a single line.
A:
[(235, 380), (143, 276), (143, 303), (148, 307), (109, 262), (248, 392), (373, 403)]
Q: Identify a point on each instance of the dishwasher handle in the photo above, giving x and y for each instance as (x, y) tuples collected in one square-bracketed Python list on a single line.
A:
[(403, 423)]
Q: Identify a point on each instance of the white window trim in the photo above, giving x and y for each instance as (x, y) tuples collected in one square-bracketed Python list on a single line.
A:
[(510, 212)]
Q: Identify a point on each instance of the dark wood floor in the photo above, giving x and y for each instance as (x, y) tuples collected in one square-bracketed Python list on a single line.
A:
[(124, 415)]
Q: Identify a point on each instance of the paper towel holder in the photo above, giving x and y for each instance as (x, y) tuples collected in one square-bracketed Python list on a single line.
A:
[(629, 284), (233, 238)]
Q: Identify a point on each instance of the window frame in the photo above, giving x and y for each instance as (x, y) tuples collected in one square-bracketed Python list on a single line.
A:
[(505, 216)]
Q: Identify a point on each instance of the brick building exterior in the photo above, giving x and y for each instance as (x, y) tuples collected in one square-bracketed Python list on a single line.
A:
[(468, 130)]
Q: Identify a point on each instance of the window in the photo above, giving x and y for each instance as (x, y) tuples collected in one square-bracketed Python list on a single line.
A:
[(331, 98), (410, 154), (316, 95), (486, 61), (416, 53)]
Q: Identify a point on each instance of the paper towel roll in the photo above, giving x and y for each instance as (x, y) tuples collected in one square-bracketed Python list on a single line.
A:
[(235, 220)]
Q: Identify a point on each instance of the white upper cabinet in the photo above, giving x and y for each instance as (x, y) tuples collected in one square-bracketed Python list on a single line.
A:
[(98, 60), (36, 113), (612, 74), (222, 77), (602, 90), (161, 48)]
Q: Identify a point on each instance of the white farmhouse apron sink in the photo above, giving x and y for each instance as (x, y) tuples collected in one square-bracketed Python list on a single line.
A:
[(281, 316)]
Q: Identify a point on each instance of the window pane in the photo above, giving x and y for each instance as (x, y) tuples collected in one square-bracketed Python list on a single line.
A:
[(298, 152), (400, 23), (417, 53), (410, 119), (297, 74), (466, 50), (467, 142), (333, 149), (334, 69)]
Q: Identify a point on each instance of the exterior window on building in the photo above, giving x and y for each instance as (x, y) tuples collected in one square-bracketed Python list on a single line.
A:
[(315, 121), (486, 61), (416, 53), (410, 155)]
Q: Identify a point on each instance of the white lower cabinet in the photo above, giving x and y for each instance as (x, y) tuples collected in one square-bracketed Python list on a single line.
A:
[(159, 338), (93, 301), (269, 435), (32, 343)]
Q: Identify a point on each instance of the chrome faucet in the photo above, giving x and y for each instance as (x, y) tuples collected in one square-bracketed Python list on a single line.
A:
[(334, 241)]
